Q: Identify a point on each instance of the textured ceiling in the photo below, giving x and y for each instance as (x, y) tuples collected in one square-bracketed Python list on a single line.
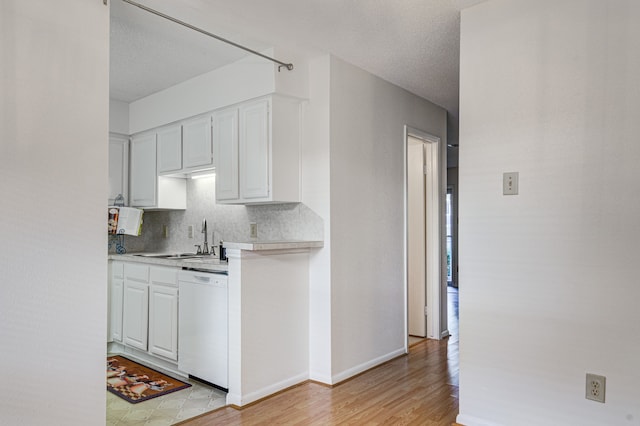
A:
[(411, 43)]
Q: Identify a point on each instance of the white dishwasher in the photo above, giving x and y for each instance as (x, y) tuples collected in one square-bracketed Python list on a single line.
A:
[(203, 326)]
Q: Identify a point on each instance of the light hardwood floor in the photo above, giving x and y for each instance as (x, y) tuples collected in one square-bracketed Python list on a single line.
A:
[(420, 388)]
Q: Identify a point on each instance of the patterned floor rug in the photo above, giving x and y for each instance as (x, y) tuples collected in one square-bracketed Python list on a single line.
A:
[(136, 383)]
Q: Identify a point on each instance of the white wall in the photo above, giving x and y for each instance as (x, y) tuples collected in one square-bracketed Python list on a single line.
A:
[(549, 278), (367, 116), (118, 117), (316, 194), (248, 78), (53, 185)]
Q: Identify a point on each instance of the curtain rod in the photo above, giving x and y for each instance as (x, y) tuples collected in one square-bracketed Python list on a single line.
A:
[(288, 66)]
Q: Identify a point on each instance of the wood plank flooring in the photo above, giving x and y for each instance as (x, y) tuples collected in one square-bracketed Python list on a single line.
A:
[(420, 388)]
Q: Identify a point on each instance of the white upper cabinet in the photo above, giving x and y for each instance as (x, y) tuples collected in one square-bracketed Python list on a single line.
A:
[(254, 150), (185, 147), (148, 190), (169, 149), (118, 167), (143, 170), (225, 132), (196, 140), (264, 136)]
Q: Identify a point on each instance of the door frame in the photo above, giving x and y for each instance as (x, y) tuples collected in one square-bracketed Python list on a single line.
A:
[(436, 247)]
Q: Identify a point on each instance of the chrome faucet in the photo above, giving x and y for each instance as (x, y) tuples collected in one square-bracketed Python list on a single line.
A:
[(205, 245)]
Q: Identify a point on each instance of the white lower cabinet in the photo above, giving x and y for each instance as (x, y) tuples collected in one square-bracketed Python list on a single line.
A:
[(150, 309), (163, 312), (116, 293), (136, 314)]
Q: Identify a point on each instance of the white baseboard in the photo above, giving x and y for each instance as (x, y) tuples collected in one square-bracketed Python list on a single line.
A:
[(337, 378), (234, 399), (321, 378), (244, 399), (473, 421), (444, 334)]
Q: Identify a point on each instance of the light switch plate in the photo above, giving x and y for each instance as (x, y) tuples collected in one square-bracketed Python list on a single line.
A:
[(510, 183)]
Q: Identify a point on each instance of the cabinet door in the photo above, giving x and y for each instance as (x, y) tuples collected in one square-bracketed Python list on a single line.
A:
[(170, 149), (118, 167), (116, 300), (254, 150), (225, 142), (135, 314), (196, 139), (143, 171), (163, 321)]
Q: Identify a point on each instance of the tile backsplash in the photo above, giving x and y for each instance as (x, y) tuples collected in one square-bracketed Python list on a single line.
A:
[(226, 222)]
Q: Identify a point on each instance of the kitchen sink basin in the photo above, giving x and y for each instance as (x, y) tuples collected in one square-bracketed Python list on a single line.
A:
[(184, 256), (172, 255)]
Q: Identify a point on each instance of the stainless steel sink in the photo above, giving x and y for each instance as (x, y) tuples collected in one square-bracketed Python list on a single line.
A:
[(183, 256), (172, 255)]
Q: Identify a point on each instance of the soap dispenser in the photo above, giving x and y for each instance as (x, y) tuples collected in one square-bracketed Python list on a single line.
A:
[(223, 253)]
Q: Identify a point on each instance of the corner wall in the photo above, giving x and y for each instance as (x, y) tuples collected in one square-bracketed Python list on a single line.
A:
[(316, 194), (549, 278), (118, 117), (367, 119)]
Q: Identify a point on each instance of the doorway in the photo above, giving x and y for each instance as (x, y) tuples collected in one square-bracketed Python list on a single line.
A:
[(451, 234), (425, 263)]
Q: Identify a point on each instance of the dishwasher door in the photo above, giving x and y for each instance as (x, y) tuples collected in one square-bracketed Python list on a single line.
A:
[(203, 326)]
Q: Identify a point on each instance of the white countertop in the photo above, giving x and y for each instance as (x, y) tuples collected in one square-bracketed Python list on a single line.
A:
[(273, 245), (204, 263), (213, 264)]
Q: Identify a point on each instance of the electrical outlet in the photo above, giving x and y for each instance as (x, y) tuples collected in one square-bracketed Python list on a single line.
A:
[(253, 230), (190, 231), (595, 387), (165, 231)]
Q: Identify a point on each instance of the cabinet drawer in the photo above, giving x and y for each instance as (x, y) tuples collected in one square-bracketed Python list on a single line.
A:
[(117, 269), (164, 275), (138, 272)]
